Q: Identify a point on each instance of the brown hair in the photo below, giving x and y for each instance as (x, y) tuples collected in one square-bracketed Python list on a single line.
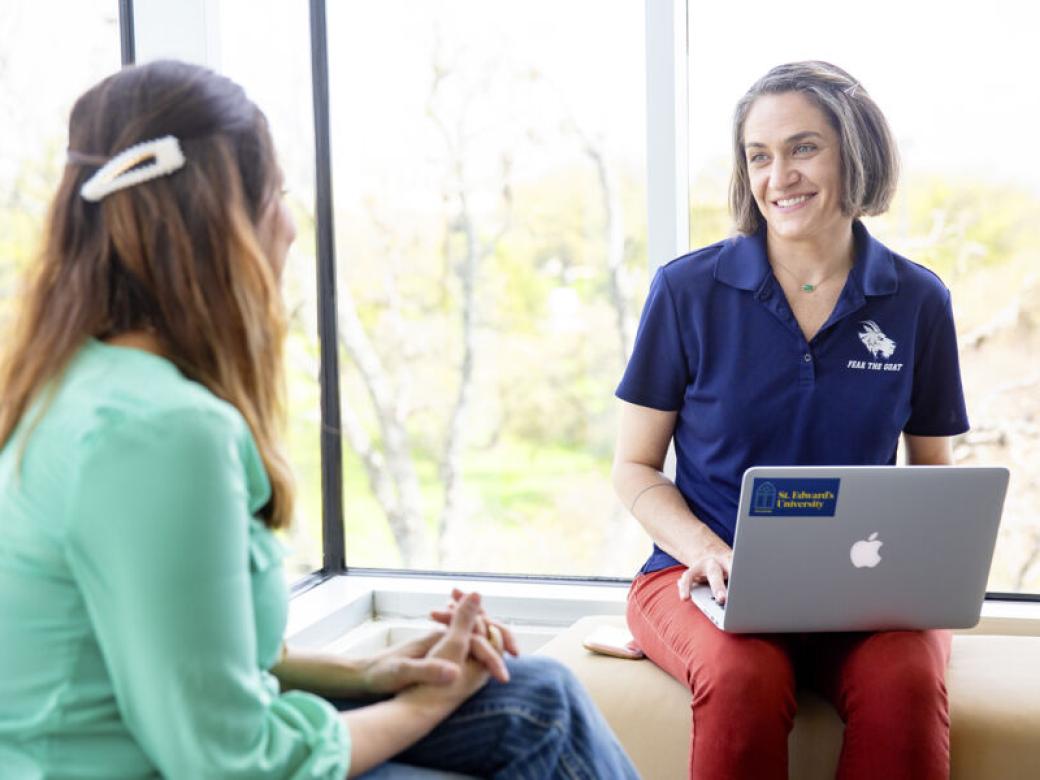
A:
[(869, 159), (177, 255)]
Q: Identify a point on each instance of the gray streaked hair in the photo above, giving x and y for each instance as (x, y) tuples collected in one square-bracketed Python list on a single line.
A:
[(869, 159)]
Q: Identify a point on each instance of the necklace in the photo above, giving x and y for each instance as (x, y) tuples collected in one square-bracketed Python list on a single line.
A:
[(805, 286)]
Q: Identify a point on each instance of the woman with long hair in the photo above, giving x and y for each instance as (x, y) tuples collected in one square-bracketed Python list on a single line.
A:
[(142, 600)]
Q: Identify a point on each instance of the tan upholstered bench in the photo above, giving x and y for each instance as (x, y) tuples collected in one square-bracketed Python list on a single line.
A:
[(994, 685)]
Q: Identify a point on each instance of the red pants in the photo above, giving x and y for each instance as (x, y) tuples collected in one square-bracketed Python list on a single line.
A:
[(888, 687)]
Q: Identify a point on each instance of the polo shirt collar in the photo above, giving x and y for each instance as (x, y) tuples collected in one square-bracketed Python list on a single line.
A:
[(744, 264), (875, 267)]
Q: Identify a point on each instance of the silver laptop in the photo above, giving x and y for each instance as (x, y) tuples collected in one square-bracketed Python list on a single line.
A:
[(860, 548)]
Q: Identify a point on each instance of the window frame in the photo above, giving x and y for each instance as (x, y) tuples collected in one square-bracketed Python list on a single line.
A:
[(667, 118), (126, 32)]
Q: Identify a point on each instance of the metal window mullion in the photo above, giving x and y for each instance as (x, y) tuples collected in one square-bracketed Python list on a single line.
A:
[(333, 542), (126, 32)]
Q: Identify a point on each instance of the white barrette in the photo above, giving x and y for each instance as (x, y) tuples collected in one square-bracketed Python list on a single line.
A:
[(122, 171)]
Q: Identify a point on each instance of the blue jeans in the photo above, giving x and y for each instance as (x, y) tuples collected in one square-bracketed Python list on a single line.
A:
[(539, 725)]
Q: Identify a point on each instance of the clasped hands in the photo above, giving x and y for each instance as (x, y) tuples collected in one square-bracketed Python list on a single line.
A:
[(449, 665)]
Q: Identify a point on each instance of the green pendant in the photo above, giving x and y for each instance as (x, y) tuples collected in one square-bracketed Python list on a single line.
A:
[(808, 288)]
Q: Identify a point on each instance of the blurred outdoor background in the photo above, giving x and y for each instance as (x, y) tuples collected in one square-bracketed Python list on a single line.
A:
[(490, 200)]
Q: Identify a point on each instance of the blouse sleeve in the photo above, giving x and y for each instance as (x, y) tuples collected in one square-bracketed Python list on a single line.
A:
[(158, 544), (937, 398), (658, 370)]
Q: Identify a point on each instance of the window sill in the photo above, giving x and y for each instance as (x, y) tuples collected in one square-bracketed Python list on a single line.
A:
[(324, 614)]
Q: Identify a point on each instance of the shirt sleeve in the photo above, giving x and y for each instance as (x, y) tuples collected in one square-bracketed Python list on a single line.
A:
[(658, 370), (158, 544), (937, 398)]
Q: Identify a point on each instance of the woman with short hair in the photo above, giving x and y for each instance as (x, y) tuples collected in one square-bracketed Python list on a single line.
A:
[(142, 597), (761, 350)]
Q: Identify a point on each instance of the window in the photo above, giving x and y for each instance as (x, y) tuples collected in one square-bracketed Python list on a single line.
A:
[(36, 99), (490, 221), (491, 231), (956, 85), (265, 47)]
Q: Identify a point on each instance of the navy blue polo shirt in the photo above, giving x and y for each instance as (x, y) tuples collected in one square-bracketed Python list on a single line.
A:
[(718, 343)]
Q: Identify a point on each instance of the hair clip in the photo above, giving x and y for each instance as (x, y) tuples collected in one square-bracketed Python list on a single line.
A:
[(122, 171), (851, 90)]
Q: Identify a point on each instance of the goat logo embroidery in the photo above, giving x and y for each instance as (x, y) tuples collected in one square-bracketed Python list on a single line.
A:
[(876, 342)]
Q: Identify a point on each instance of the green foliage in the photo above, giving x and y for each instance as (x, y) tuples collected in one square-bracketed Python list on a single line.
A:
[(709, 222), (19, 236), (518, 478), (957, 225), (22, 212), (521, 294)]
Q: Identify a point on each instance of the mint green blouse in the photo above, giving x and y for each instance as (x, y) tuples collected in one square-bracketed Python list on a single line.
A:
[(141, 601)]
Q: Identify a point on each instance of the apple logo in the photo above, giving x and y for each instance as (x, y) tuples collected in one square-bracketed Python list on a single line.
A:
[(865, 552)]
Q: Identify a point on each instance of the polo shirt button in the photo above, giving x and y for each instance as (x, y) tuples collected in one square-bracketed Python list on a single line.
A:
[(807, 358)]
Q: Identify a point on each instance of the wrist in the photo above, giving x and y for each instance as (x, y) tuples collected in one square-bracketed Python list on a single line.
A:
[(705, 542), (426, 705), (346, 676), (356, 673)]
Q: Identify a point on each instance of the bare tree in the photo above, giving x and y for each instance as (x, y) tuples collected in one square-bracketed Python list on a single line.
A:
[(613, 235), (389, 464), (1001, 431), (390, 469), (594, 147), (475, 251)]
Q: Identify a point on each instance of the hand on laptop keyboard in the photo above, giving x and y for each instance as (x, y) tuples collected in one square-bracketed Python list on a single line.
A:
[(711, 567)]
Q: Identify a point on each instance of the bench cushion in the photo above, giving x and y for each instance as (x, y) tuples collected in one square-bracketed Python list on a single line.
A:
[(993, 681)]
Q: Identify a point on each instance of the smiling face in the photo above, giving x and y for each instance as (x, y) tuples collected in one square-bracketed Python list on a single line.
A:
[(794, 166)]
